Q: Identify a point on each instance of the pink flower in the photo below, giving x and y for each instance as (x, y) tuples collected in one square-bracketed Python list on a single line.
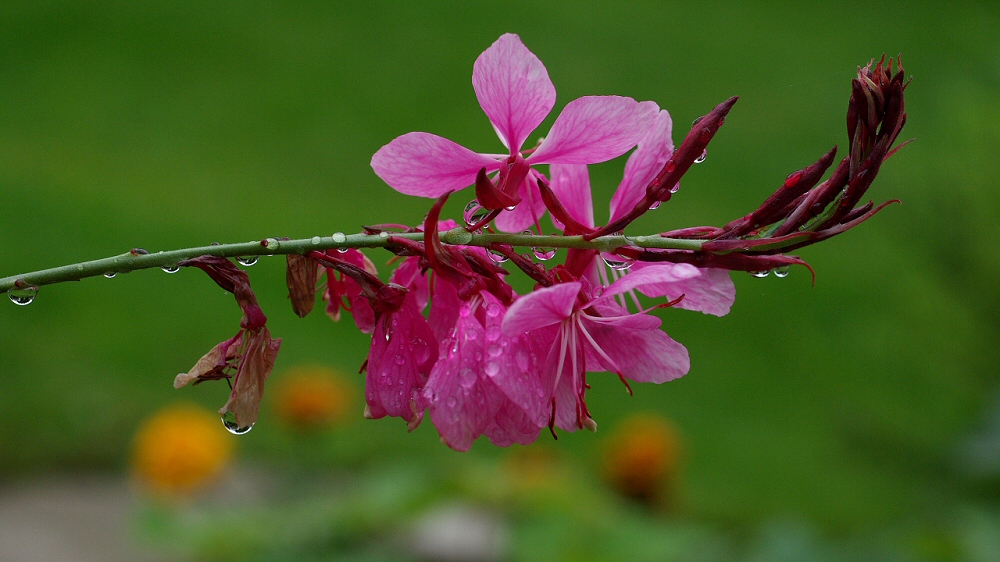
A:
[(597, 334), (516, 94), (485, 382)]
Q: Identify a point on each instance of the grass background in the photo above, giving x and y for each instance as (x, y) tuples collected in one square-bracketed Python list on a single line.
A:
[(155, 125)]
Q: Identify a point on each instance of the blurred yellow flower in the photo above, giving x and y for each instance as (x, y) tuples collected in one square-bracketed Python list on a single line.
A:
[(180, 449), (313, 397), (642, 458)]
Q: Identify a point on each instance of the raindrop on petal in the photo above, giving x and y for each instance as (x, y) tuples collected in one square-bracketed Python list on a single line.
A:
[(474, 213), (700, 159), (229, 421), (760, 274), (782, 271), (655, 205)]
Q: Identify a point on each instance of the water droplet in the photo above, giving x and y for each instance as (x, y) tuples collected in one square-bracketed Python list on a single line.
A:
[(544, 254), (495, 350), (452, 402), (493, 333), (676, 187), (22, 297), (700, 159), (342, 250), (492, 368), (474, 213), (316, 240), (760, 274), (540, 392), (497, 257), (467, 378), (793, 179), (471, 335), (229, 421), (110, 274), (383, 234), (697, 120), (782, 271), (655, 205), (616, 262), (247, 261), (465, 311), (511, 208), (400, 360), (671, 166), (493, 310), (171, 268), (339, 237)]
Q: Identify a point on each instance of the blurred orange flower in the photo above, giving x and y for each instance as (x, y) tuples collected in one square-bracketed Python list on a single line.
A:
[(313, 397), (180, 449), (642, 458)]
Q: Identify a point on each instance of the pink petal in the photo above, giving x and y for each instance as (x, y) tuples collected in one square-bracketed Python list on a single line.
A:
[(595, 129), (513, 89), (571, 185), (511, 425), (656, 275), (524, 214), (461, 401), (640, 355), (445, 305), (403, 349), (540, 308), (649, 157), (711, 292), (427, 165), (513, 364)]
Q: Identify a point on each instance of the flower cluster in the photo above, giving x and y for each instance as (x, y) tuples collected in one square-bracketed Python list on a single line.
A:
[(452, 339)]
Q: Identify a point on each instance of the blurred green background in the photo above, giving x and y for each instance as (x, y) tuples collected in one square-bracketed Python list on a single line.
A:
[(860, 407)]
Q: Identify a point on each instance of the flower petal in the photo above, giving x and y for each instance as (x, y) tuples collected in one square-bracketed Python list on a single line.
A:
[(595, 129), (403, 349), (711, 292), (571, 185), (656, 274), (461, 400), (513, 89), (524, 214), (641, 355), (427, 165), (540, 308), (649, 157)]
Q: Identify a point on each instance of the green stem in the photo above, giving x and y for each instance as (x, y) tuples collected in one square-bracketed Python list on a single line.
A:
[(132, 261)]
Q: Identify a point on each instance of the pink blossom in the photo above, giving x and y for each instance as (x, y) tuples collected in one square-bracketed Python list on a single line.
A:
[(597, 334), (344, 292), (514, 90), (485, 382)]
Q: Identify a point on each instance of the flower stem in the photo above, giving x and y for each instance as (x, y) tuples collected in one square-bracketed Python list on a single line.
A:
[(139, 259)]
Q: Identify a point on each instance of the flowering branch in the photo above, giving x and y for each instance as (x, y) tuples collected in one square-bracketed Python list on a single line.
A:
[(485, 360)]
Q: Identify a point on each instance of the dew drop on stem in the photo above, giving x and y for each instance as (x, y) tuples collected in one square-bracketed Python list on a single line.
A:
[(247, 261), (171, 268), (23, 297)]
